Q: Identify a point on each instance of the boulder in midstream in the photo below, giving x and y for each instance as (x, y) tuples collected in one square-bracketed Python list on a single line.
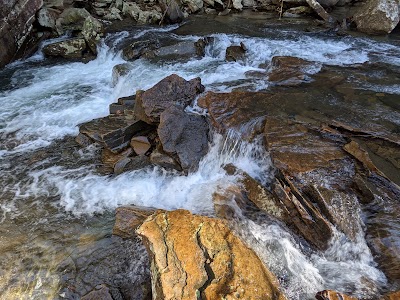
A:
[(196, 257), (172, 90), (184, 135)]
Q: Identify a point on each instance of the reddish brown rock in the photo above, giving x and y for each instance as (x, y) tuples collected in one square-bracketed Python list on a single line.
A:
[(295, 148), (391, 296), (288, 70), (129, 218), (109, 158), (113, 132), (140, 144), (172, 90), (199, 257), (332, 295)]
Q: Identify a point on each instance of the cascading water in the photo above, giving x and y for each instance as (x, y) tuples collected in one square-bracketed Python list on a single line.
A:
[(52, 196)]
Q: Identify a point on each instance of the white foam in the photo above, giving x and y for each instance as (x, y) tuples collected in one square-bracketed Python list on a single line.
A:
[(83, 192), (56, 100)]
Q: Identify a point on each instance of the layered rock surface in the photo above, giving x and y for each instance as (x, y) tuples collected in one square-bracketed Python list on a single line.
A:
[(199, 257)]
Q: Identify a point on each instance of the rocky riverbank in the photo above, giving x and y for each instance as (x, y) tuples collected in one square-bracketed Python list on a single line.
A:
[(25, 24)]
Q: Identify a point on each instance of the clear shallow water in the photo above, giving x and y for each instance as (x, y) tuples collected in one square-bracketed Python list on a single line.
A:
[(52, 198)]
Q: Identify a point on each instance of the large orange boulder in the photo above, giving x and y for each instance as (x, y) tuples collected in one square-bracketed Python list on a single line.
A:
[(195, 257)]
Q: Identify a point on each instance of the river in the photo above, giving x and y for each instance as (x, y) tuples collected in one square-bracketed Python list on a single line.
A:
[(57, 208)]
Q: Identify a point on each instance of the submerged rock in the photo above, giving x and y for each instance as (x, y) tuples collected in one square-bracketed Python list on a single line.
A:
[(195, 257), (294, 148), (377, 16), (183, 135), (287, 70), (72, 48), (137, 49), (235, 53), (172, 90), (120, 71)]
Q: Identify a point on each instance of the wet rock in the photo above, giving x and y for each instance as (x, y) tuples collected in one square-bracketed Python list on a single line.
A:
[(101, 292), (183, 135), (199, 257), (232, 110), (235, 53), (83, 140), (391, 296), (258, 195), (382, 223), (129, 218), (71, 19), (140, 144), (17, 19), (303, 215), (72, 48), (92, 31), (119, 71), (177, 52), (201, 44), (360, 154), (163, 160), (131, 164), (47, 17), (172, 90), (294, 148), (138, 48), (120, 264), (113, 132), (109, 158), (332, 295), (377, 16), (287, 70)]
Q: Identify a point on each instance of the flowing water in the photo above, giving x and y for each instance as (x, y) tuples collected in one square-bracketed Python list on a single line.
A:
[(56, 209)]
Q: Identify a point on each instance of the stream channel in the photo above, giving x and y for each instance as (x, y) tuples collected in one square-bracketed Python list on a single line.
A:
[(57, 209)]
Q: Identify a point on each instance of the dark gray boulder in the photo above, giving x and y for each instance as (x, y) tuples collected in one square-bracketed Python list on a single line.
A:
[(183, 135)]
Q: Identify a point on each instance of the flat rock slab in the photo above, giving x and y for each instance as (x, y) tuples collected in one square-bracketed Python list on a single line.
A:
[(113, 132)]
